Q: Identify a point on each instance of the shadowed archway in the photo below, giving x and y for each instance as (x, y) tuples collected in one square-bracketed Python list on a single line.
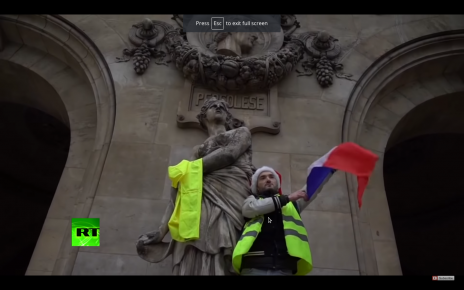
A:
[(33, 152), (55, 67), (425, 187)]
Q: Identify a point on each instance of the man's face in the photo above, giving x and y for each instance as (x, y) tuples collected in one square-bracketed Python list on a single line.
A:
[(267, 181)]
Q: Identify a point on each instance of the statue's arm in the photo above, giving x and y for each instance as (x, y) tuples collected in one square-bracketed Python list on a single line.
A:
[(253, 207), (226, 156)]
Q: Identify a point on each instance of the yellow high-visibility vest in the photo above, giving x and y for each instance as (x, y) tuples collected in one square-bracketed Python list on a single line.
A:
[(184, 224), (296, 239)]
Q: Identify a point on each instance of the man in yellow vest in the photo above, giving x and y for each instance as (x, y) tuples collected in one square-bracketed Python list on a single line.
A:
[(274, 240)]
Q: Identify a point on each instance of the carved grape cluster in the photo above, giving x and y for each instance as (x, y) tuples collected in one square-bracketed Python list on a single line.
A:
[(141, 59), (324, 71), (271, 78)]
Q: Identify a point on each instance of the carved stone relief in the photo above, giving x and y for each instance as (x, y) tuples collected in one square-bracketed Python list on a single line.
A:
[(323, 53), (236, 62), (258, 109), (242, 44), (145, 36)]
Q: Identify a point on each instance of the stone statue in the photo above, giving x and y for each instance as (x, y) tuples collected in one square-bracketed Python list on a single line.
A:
[(227, 171)]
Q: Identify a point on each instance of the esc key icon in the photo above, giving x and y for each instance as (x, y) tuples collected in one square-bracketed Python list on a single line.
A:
[(217, 23)]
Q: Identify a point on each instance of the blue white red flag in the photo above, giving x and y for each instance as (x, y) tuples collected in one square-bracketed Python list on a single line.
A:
[(348, 157)]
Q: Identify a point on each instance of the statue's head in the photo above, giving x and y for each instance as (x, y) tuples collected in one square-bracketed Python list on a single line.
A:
[(215, 111)]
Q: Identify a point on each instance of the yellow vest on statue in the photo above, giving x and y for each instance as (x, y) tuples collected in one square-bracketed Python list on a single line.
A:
[(296, 239), (184, 224)]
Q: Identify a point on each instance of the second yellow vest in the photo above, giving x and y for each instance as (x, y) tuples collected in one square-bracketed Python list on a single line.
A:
[(184, 224)]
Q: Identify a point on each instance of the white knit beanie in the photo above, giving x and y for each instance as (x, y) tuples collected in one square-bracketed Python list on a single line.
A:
[(254, 178)]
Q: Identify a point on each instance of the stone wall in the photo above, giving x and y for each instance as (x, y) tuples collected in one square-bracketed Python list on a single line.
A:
[(133, 188)]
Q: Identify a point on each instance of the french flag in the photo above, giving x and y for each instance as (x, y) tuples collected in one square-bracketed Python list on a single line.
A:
[(348, 157)]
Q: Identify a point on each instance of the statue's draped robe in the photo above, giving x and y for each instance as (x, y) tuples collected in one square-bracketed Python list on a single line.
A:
[(224, 191)]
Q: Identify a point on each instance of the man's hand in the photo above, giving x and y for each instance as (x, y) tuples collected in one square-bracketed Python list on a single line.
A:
[(297, 195)]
